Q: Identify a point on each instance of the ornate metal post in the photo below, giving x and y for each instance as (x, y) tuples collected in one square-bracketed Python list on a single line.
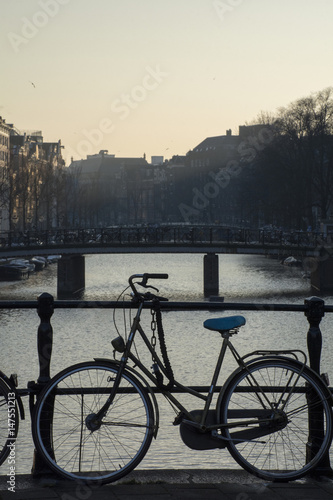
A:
[(315, 312), (44, 345), (44, 336)]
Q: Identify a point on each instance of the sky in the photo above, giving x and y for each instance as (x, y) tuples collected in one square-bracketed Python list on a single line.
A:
[(156, 77)]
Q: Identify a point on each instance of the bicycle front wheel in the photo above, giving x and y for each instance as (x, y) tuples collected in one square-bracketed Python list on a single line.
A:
[(111, 449), (271, 408)]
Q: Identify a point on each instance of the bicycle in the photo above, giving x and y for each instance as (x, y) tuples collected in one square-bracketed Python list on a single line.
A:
[(95, 420)]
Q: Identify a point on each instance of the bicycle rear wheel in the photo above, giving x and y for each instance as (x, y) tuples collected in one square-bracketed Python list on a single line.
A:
[(276, 396), (111, 450), (9, 421)]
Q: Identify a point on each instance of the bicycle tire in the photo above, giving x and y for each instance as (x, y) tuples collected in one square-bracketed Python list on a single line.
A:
[(9, 421), (109, 452), (278, 449)]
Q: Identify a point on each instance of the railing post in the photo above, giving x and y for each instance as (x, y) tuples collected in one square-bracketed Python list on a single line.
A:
[(44, 346), (192, 234), (44, 336), (315, 312)]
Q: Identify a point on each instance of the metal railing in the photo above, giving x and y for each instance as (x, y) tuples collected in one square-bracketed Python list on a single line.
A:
[(184, 235), (314, 309)]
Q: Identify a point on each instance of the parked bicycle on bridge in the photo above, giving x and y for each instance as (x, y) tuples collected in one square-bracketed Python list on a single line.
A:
[(95, 420)]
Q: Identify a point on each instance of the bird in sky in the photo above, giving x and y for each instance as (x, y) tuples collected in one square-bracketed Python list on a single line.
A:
[(32, 83)]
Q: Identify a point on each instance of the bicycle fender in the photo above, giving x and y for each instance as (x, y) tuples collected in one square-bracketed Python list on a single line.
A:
[(297, 364), (321, 382), (145, 384)]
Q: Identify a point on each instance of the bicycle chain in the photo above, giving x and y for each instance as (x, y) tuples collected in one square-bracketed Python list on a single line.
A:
[(161, 337), (153, 329)]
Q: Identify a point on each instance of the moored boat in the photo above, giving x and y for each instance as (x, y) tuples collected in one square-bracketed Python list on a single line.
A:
[(39, 262), (23, 262), (13, 272), (292, 262)]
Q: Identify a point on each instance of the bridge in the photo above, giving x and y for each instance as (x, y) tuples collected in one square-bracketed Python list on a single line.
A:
[(210, 240), (163, 239)]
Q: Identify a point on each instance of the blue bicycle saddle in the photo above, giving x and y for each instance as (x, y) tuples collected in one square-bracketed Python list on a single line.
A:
[(224, 324)]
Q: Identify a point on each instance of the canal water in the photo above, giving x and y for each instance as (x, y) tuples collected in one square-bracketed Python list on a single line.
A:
[(81, 335)]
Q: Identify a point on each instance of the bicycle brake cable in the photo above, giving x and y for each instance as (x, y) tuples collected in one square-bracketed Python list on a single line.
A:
[(114, 310)]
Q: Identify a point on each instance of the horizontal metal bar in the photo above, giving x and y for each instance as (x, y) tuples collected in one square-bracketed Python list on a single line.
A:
[(179, 390), (166, 306)]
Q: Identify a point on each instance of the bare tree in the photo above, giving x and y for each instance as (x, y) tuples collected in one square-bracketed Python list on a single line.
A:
[(294, 172)]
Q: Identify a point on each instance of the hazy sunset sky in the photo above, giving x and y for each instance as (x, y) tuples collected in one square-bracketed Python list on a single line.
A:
[(153, 76)]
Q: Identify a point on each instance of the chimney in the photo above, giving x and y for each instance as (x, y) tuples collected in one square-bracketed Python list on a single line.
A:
[(229, 132)]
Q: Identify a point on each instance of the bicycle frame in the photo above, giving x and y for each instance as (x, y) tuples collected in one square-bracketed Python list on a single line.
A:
[(185, 415)]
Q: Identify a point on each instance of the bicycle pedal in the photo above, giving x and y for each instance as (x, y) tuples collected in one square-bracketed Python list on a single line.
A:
[(325, 378), (179, 418), (13, 379)]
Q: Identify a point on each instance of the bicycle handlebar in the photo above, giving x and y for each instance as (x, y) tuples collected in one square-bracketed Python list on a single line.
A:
[(156, 276), (145, 277)]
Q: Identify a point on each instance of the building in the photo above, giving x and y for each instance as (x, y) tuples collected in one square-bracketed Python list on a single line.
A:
[(157, 160), (35, 172), (5, 130), (4, 143), (214, 152), (216, 171), (111, 190)]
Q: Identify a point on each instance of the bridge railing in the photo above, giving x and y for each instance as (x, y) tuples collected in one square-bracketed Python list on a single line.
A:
[(314, 309), (160, 235)]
